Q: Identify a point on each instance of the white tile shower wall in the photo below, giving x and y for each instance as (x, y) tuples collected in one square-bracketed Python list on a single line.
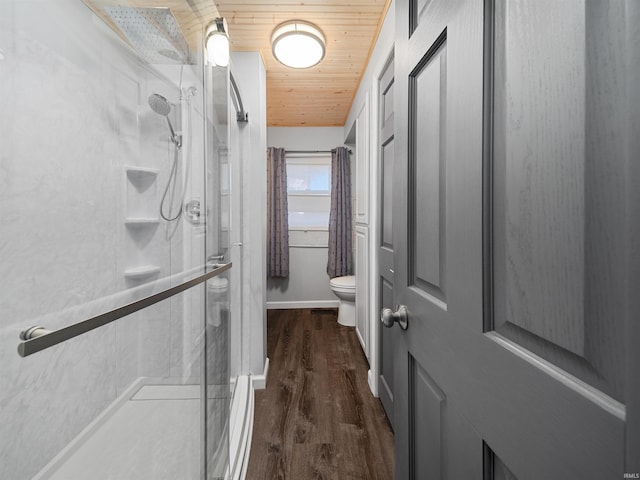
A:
[(73, 113)]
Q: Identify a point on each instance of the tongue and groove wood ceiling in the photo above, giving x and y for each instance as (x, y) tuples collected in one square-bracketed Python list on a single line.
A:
[(320, 95)]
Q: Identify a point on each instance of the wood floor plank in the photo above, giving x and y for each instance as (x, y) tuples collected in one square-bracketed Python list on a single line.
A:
[(317, 418), (315, 461)]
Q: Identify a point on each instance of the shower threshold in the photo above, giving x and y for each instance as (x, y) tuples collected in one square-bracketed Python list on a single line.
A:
[(152, 431)]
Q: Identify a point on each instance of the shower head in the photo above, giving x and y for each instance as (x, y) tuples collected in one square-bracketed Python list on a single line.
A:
[(153, 32), (161, 106)]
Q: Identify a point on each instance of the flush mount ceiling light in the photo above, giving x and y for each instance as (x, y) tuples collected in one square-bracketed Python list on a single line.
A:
[(298, 44), (217, 43)]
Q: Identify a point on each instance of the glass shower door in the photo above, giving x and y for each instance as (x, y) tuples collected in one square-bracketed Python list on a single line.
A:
[(102, 259)]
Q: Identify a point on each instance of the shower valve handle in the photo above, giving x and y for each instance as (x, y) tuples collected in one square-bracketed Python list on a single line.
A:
[(192, 211)]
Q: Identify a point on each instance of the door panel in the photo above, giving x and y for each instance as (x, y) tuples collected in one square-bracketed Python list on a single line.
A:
[(427, 96), (543, 198), (386, 149), (497, 470), (386, 102), (362, 287), (512, 228), (426, 405), (558, 229), (442, 443), (388, 338), (387, 194)]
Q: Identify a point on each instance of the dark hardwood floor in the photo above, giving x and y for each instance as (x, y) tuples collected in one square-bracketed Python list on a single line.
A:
[(317, 418)]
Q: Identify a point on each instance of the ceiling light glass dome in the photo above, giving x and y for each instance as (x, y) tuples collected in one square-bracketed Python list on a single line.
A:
[(298, 44)]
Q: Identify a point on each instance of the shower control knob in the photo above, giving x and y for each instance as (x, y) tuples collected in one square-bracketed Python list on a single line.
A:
[(388, 317), (192, 211)]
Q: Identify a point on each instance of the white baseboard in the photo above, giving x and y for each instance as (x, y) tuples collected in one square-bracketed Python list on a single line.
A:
[(373, 385), (304, 304), (260, 381), (241, 427)]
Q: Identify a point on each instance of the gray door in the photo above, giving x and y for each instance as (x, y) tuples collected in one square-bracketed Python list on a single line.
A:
[(385, 247), (516, 239)]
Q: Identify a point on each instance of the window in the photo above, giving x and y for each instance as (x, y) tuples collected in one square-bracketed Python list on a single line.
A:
[(309, 191)]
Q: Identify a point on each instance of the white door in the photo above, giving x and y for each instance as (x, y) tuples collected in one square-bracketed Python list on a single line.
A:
[(516, 239)]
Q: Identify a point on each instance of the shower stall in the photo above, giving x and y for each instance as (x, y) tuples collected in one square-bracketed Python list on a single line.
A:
[(114, 247)]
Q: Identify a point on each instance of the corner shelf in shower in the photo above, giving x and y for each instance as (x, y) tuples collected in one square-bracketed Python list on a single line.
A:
[(141, 194), (141, 221), (141, 175), (140, 273)]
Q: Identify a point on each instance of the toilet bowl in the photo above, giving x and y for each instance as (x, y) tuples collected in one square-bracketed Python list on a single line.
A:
[(345, 289)]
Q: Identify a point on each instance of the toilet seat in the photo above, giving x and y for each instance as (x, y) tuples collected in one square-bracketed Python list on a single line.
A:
[(345, 284)]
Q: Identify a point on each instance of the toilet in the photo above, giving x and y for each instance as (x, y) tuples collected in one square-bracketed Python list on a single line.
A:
[(345, 289)]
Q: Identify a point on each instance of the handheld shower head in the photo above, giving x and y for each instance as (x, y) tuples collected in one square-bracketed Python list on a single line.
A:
[(161, 106)]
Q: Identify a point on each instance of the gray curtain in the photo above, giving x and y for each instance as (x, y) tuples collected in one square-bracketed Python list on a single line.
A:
[(277, 214), (340, 252)]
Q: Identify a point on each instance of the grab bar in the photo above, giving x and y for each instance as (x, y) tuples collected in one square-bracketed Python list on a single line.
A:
[(39, 338)]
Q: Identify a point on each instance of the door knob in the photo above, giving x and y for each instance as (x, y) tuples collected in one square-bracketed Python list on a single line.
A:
[(388, 317)]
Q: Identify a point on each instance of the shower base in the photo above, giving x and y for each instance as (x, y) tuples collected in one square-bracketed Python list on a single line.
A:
[(151, 432)]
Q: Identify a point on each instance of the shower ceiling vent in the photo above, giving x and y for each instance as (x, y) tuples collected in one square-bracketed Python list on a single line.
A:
[(153, 32)]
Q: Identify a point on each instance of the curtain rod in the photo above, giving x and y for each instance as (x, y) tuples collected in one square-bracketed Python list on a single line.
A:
[(312, 151)]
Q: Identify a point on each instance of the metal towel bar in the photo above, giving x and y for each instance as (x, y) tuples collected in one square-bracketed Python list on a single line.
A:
[(39, 338)]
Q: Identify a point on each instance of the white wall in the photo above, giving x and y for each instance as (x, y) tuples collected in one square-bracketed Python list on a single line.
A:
[(249, 226), (305, 138), (384, 46), (308, 282)]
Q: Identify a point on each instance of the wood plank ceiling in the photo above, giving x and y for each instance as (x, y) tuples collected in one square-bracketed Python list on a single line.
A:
[(320, 95), (316, 96)]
